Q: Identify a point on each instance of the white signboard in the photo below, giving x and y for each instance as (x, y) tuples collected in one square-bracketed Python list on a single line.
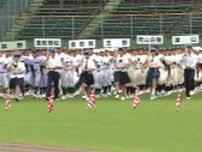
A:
[(12, 45), (189, 39), (47, 43), (116, 43), (80, 44), (149, 39)]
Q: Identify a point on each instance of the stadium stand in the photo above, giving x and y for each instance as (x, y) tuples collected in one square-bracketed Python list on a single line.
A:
[(151, 9), (125, 27), (11, 10), (122, 26), (72, 19), (196, 22), (60, 27), (71, 7), (2, 3)]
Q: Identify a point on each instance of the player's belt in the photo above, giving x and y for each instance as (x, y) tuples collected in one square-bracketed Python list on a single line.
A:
[(52, 69), (154, 69), (189, 69)]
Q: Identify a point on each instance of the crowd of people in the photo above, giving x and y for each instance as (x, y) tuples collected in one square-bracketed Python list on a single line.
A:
[(118, 72)]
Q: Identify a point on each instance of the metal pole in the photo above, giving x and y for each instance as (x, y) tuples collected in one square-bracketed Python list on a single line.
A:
[(72, 28), (13, 20), (2, 24), (190, 24), (22, 6), (8, 13), (43, 27), (192, 3), (131, 27), (1, 27), (26, 3), (102, 28), (15, 7), (14, 11), (161, 24), (149, 44)]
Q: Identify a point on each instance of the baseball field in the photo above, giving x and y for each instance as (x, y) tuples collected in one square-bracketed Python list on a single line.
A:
[(112, 126)]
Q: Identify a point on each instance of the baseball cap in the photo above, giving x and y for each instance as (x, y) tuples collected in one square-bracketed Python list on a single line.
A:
[(189, 46), (120, 49), (152, 50), (52, 49), (17, 55), (86, 51)]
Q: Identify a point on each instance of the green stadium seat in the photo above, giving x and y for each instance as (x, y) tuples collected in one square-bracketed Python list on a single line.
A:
[(112, 26), (2, 3)]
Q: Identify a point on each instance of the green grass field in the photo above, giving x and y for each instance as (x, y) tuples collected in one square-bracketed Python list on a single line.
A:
[(112, 126)]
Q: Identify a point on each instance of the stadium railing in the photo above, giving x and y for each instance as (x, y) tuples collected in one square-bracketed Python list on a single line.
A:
[(152, 9), (75, 3)]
